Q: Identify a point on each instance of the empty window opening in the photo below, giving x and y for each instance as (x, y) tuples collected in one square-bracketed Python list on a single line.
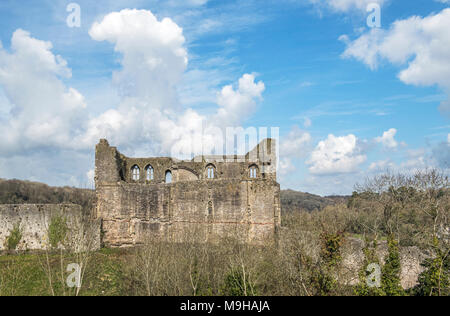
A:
[(253, 172), (135, 171), (168, 177), (150, 173), (211, 172)]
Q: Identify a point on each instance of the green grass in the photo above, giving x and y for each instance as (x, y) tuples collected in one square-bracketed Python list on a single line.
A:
[(24, 274)]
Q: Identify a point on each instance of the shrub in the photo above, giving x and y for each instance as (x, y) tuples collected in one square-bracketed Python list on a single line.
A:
[(390, 278), (370, 257), (57, 230), (435, 279), (14, 238), (236, 284)]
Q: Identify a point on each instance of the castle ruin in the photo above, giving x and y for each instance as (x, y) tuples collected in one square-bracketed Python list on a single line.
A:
[(209, 196)]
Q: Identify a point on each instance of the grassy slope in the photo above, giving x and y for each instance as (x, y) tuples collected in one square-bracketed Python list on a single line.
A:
[(24, 275)]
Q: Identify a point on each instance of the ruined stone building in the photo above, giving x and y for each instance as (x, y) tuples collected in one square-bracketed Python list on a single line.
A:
[(209, 196)]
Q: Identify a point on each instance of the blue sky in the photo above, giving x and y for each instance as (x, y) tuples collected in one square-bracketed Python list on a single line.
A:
[(350, 101)]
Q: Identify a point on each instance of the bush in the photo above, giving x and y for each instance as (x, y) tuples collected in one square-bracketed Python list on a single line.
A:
[(237, 285), (13, 240), (57, 230), (390, 278), (435, 279)]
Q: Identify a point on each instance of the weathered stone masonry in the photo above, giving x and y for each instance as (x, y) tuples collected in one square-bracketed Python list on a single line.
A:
[(209, 196), (34, 220)]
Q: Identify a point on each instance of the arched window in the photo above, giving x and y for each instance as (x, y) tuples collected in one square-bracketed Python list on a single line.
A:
[(168, 176), (210, 172), (135, 173), (253, 172), (149, 173)]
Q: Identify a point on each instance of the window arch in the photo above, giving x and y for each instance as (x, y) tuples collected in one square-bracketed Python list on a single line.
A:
[(210, 172), (253, 172), (150, 173), (135, 173), (168, 176)]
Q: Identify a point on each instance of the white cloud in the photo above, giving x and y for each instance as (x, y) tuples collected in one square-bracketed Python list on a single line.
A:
[(382, 165), (388, 139), (285, 166), (44, 111), (421, 43), (295, 144), (153, 63), (41, 112), (336, 155), (345, 5), (153, 54), (240, 103), (90, 175)]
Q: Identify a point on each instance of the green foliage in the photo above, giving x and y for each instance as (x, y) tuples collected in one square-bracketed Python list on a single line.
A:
[(57, 230), (323, 274), (331, 248), (13, 240), (390, 278), (390, 272), (235, 284), (370, 257), (435, 279), (198, 278), (323, 281)]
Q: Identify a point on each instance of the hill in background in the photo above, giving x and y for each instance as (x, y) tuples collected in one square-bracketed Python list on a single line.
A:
[(26, 192), (294, 201)]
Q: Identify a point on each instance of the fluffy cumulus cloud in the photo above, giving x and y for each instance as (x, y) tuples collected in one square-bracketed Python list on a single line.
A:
[(39, 111), (154, 59), (345, 5), (153, 54), (294, 145), (235, 104), (336, 155), (388, 139), (422, 44), (43, 111)]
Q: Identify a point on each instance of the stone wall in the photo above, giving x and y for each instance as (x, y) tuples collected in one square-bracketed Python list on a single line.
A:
[(192, 205), (34, 220), (249, 209), (353, 259)]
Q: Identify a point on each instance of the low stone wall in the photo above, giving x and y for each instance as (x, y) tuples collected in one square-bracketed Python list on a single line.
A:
[(34, 220), (353, 258)]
